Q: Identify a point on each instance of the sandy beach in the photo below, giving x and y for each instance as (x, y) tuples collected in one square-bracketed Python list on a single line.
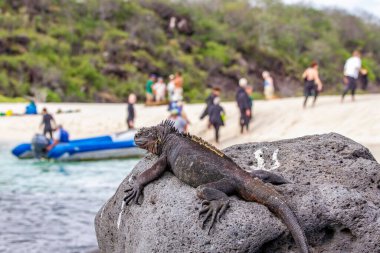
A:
[(273, 120)]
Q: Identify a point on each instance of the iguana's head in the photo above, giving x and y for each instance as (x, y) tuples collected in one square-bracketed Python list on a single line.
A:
[(153, 138)]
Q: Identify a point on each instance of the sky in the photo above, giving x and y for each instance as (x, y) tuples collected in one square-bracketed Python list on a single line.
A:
[(370, 6)]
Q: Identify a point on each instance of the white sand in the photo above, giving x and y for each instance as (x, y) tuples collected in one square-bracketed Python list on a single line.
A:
[(273, 120)]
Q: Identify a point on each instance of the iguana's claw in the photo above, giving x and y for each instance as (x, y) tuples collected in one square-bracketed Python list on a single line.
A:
[(215, 209), (133, 193)]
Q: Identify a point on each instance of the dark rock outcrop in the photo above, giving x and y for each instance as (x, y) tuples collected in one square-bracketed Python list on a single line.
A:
[(335, 192)]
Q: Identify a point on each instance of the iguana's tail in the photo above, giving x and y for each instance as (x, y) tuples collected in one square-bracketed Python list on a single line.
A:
[(279, 207), (259, 192)]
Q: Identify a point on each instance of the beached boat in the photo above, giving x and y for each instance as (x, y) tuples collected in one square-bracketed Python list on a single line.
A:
[(120, 145), (157, 103)]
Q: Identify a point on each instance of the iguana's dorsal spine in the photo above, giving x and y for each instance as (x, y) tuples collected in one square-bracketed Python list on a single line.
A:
[(170, 129)]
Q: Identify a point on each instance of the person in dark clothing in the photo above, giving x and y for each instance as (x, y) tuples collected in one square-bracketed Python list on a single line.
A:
[(364, 78), (47, 121), (242, 85), (210, 100), (244, 104), (131, 111), (216, 113)]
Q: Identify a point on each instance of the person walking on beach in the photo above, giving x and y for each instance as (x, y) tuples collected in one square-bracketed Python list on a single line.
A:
[(131, 111), (210, 101), (149, 88), (313, 84), (268, 85), (351, 74), (243, 102), (216, 113), (47, 123)]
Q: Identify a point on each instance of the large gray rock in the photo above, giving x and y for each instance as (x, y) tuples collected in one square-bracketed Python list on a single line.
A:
[(335, 193)]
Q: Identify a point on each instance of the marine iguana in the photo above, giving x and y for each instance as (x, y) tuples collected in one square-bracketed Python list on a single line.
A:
[(211, 172)]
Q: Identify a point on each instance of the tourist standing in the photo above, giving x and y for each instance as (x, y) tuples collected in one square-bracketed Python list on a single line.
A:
[(149, 88), (268, 85), (351, 74), (131, 111), (159, 90), (313, 84), (47, 123), (243, 102), (216, 113)]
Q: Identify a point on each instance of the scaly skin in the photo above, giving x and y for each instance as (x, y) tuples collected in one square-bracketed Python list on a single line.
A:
[(214, 174)]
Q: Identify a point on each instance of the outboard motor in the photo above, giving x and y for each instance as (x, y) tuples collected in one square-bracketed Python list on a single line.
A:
[(39, 145)]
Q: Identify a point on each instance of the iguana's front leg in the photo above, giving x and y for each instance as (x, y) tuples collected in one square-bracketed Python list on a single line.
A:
[(216, 201), (134, 192)]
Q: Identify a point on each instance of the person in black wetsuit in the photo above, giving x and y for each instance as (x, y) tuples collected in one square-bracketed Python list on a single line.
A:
[(216, 113), (244, 104), (313, 84), (210, 101), (47, 121), (131, 111)]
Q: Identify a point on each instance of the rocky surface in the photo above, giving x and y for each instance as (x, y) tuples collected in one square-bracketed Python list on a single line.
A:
[(335, 192)]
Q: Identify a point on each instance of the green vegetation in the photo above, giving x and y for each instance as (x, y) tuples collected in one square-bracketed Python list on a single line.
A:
[(101, 50), (12, 100)]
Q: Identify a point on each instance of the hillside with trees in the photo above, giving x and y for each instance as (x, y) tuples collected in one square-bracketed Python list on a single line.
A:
[(101, 50)]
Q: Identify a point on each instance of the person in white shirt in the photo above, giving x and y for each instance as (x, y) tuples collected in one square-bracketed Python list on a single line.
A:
[(351, 74), (159, 89)]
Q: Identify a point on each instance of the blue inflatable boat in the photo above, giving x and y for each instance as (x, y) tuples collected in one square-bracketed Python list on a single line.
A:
[(120, 145)]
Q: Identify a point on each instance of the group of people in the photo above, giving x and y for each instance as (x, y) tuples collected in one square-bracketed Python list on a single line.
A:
[(216, 114), (56, 132), (353, 71), (157, 90)]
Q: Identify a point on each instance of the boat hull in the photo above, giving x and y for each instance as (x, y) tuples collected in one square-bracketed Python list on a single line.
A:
[(115, 146)]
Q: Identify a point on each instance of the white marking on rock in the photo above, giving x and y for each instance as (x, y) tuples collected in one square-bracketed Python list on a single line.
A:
[(261, 161), (121, 212), (275, 159)]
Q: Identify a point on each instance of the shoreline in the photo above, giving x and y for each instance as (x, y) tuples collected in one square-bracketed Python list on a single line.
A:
[(273, 120)]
